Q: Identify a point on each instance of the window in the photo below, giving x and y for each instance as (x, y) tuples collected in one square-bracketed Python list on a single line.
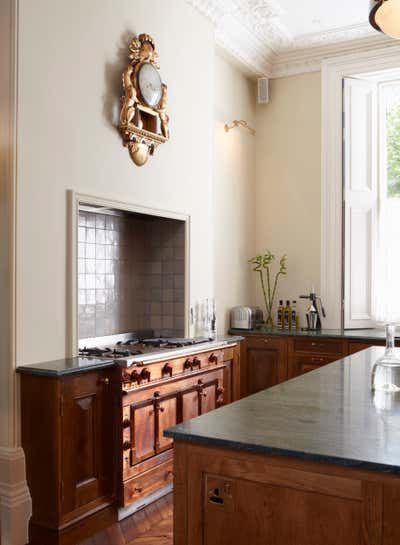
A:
[(371, 202)]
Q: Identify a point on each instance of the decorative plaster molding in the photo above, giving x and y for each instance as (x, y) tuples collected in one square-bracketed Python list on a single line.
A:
[(253, 33)]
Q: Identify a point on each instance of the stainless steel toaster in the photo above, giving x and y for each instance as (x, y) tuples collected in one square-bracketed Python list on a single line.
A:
[(246, 317)]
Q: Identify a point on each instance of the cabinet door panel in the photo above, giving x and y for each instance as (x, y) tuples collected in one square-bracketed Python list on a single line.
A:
[(143, 427), (190, 404), (88, 441), (266, 363), (167, 416), (209, 396)]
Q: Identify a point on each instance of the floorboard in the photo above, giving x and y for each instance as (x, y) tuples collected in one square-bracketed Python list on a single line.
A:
[(150, 526)]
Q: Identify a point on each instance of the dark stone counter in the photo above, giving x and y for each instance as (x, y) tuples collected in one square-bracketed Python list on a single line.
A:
[(351, 334), (328, 415), (68, 366)]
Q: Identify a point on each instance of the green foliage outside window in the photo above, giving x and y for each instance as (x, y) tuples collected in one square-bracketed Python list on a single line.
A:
[(393, 152)]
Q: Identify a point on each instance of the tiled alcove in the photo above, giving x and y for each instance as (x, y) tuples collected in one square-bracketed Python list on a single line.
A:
[(131, 274)]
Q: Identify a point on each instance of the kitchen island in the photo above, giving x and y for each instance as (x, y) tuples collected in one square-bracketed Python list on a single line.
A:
[(312, 461)]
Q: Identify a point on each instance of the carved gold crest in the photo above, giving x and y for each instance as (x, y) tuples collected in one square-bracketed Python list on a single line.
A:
[(143, 118)]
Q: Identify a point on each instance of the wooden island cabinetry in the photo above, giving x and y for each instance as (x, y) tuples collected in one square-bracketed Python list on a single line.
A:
[(269, 359)]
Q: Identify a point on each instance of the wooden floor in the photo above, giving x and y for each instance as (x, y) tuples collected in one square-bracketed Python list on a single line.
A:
[(150, 526)]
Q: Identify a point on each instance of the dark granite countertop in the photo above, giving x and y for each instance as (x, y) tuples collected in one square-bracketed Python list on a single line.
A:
[(65, 366), (328, 415), (68, 366), (355, 334)]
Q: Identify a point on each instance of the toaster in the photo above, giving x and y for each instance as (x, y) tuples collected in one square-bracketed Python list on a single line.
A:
[(246, 317)]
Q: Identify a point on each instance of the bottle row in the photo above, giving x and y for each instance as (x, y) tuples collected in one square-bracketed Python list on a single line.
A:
[(287, 317)]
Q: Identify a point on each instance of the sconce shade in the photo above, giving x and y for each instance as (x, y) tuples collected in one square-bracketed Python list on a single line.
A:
[(385, 16)]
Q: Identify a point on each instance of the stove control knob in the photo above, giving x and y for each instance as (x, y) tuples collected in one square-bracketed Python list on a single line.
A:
[(145, 375), (213, 359), (167, 370), (135, 376), (196, 362), (126, 377), (126, 423), (188, 365)]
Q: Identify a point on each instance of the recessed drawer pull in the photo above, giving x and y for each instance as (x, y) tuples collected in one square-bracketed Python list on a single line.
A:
[(138, 489)]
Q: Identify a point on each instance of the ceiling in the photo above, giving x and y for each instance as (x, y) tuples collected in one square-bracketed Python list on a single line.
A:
[(281, 37), (314, 16)]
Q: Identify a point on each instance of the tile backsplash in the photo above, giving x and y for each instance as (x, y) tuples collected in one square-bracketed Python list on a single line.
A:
[(131, 274)]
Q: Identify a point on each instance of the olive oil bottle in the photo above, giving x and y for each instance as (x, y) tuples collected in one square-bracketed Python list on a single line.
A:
[(279, 321), (287, 315), (293, 317)]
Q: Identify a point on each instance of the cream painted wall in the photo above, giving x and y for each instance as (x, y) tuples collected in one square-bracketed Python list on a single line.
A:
[(288, 195), (71, 57), (234, 190)]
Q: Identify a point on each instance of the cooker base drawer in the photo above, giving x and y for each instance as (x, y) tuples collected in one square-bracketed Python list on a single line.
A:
[(147, 482)]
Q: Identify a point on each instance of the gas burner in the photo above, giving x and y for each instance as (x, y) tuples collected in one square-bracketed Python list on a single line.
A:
[(95, 351), (160, 342), (119, 352), (130, 342), (157, 342)]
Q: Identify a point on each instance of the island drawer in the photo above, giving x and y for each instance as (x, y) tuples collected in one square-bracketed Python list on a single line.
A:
[(148, 482), (319, 346)]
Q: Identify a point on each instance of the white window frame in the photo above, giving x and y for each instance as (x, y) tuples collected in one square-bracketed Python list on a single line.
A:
[(333, 72)]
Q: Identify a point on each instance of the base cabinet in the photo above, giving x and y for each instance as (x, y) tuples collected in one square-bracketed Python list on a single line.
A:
[(268, 360), (265, 363), (70, 443)]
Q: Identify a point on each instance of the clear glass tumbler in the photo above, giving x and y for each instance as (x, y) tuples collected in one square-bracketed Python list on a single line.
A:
[(386, 371)]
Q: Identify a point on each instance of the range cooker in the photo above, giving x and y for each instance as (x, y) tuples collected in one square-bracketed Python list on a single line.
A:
[(135, 348)]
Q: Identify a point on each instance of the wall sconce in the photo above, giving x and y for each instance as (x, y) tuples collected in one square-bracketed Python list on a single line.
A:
[(239, 123)]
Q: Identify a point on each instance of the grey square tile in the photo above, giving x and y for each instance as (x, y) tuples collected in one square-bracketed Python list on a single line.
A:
[(100, 221), (100, 251), (90, 251), (100, 236), (100, 282), (90, 281), (90, 266), (82, 219), (82, 281), (82, 297), (100, 297), (91, 236), (167, 295), (100, 266), (110, 222), (90, 220), (81, 234), (109, 281), (91, 297)]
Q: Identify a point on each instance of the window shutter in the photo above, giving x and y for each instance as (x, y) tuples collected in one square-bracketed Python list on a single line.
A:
[(360, 199)]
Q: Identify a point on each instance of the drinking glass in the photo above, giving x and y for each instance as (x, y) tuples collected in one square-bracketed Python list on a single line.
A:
[(386, 371)]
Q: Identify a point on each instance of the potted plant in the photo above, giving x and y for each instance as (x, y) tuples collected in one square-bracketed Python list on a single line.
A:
[(269, 283)]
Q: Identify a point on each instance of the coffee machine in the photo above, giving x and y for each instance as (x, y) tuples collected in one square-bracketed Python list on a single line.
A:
[(313, 314)]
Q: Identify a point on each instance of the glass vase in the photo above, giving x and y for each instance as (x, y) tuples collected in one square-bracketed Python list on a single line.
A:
[(386, 371)]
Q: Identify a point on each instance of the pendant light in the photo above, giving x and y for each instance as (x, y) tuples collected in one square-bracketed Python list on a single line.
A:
[(385, 17)]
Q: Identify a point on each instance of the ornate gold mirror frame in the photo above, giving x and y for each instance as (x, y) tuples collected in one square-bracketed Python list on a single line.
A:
[(143, 126)]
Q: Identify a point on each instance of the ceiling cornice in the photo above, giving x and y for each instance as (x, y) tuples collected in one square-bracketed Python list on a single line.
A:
[(252, 33)]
